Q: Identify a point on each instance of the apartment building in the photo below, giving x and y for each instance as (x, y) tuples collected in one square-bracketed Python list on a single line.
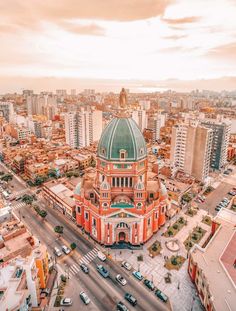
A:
[(155, 123), (191, 149), (6, 110), (221, 135), (140, 117), (83, 128)]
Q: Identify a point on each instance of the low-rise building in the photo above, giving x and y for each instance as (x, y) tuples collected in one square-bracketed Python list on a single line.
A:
[(213, 268), (59, 194)]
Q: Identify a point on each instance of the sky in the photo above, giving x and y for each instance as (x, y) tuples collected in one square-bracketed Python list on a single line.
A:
[(144, 44)]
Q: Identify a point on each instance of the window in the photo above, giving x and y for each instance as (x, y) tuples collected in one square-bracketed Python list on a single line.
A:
[(122, 154), (78, 209), (113, 181), (151, 195), (139, 205), (86, 215), (94, 222), (103, 151), (149, 221), (91, 195), (105, 205)]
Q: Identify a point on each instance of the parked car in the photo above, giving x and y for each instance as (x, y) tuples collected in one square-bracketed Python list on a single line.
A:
[(121, 280), (226, 173), (161, 295), (101, 256), (138, 275), (126, 265), (121, 306), (84, 298), (57, 252), (218, 208), (66, 302), (232, 193), (103, 271), (149, 284), (84, 268), (131, 299), (18, 198), (65, 249)]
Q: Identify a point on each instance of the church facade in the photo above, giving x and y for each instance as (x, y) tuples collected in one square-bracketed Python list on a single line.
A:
[(117, 203)]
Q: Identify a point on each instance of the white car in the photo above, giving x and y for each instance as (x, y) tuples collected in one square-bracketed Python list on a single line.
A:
[(121, 280), (57, 252), (84, 297), (101, 256), (65, 249), (66, 302), (126, 265)]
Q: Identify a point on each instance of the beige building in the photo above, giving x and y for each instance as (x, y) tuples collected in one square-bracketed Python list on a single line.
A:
[(191, 149), (213, 268)]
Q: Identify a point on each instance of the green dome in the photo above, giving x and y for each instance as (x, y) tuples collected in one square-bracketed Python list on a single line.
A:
[(122, 134)]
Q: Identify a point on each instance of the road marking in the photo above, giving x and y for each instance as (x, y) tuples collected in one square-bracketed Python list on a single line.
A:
[(74, 269)]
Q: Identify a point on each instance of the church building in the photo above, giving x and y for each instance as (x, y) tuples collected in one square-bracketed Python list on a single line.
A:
[(118, 204)]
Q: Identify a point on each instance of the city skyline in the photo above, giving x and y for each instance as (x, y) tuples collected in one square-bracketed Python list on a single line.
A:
[(156, 45)]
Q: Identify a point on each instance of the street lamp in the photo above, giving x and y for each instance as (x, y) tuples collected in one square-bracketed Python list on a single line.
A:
[(193, 303)]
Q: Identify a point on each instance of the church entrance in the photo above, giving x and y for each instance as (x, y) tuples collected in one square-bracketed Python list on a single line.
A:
[(122, 232), (121, 236)]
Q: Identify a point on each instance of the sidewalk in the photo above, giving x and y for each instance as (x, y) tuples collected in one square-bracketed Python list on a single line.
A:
[(181, 291)]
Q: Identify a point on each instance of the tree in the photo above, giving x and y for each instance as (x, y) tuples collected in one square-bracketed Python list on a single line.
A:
[(73, 245), (52, 173), (27, 199), (59, 229), (43, 213), (69, 174), (39, 180), (7, 177)]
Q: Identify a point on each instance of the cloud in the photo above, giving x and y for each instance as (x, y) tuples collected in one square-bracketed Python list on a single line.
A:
[(90, 29), (29, 14), (174, 37), (177, 48), (183, 20), (226, 51)]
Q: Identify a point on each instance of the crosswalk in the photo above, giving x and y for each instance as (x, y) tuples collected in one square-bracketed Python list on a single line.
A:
[(86, 259), (17, 205)]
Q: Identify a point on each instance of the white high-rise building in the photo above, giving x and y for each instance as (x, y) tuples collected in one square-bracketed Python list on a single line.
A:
[(140, 117), (83, 128), (191, 149)]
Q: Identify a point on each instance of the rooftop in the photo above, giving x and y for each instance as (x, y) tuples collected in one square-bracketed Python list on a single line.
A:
[(217, 262)]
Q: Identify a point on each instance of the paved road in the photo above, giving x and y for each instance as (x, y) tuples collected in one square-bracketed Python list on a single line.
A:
[(215, 197), (104, 293)]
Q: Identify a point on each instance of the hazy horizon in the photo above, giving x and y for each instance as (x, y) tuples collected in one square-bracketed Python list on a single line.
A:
[(111, 85)]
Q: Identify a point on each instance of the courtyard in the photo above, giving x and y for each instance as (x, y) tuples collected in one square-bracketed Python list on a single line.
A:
[(173, 279)]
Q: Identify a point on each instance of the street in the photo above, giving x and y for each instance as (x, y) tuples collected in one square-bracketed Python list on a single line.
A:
[(215, 197), (104, 293)]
